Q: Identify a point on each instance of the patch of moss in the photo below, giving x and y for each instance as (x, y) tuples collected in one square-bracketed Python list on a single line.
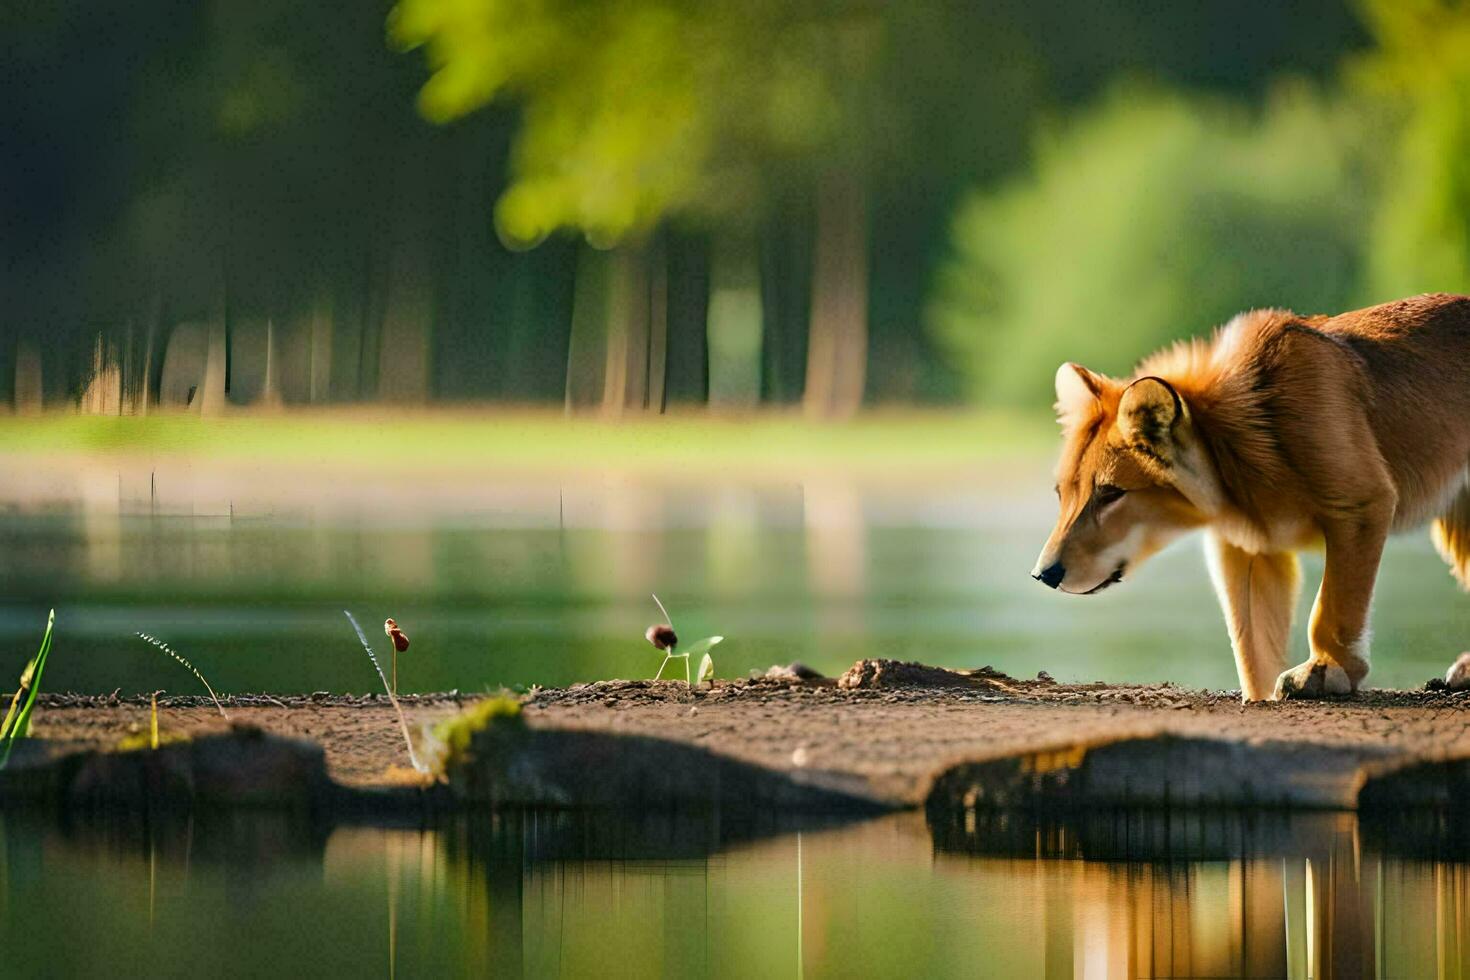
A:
[(455, 734)]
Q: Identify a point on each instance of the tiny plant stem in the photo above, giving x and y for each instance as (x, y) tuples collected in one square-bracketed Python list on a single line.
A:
[(402, 722), (667, 657), (667, 618), (155, 641), (395, 665), (153, 729)]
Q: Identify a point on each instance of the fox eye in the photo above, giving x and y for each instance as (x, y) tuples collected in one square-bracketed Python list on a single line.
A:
[(1106, 493)]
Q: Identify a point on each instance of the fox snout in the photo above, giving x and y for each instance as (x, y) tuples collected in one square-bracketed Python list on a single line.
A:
[(1083, 572), (1051, 576)]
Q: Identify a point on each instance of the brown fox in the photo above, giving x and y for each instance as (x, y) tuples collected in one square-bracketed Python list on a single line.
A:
[(1282, 432)]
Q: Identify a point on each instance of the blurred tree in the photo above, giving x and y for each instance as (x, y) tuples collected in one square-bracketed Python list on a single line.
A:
[(967, 83), (1422, 69), (636, 112), (259, 170), (1149, 218)]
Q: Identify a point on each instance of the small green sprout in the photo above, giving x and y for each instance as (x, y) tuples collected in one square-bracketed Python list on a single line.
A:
[(663, 637), (392, 698), (18, 725)]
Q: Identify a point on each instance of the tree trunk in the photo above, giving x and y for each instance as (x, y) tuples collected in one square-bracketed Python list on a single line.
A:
[(587, 346), (786, 241), (658, 326), (104, 391), (686, 362), (837, 355), (619, 341), (625, 379), (735, 323), (319, 367), (146, 392), (270, 389), (403, 340), (28, 391), (211, 399)]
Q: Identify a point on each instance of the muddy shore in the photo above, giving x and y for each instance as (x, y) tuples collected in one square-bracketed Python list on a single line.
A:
[(892, 736)]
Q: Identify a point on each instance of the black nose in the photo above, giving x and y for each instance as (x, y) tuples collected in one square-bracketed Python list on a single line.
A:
[(1051, 576)]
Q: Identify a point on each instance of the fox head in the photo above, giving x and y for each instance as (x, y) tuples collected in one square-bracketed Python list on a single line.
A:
[(1131, 473)]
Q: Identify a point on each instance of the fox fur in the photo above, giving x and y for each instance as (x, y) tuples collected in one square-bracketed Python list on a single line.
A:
[(1281, 432)]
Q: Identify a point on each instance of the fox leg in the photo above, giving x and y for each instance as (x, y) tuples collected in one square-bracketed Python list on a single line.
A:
[(1339, 627), (1258, 594), (1451, 533)]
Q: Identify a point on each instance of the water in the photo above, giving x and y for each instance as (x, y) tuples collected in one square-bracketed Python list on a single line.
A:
[(519, 581), (529, 580), (561, 895)]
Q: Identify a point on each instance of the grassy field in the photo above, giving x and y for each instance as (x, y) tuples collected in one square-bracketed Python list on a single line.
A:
[(420, 436)]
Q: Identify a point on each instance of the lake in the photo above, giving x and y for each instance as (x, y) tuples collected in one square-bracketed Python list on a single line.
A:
[(557, 894), (513, 580), (522, 578)]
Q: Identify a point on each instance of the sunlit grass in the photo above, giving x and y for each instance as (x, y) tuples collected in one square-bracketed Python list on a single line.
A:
[(17, 726), (180, 659), (542, 437)]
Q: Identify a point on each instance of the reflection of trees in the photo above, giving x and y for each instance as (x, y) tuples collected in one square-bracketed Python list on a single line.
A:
[(691, 894), (1219, 894)]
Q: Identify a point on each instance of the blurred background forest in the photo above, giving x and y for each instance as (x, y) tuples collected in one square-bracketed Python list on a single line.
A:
[(635, 205)]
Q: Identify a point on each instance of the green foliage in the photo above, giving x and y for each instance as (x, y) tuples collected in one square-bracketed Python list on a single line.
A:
[(1422, 68), (702, 646), (706, 669), (1149, 218), (706, 665), (18, 726), (635, 110)]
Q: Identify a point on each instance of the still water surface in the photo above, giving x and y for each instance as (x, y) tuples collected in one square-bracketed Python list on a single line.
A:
[(550, 895), (548, 583)]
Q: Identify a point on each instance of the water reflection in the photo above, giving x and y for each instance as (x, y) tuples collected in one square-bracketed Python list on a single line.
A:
[(1243, 894)]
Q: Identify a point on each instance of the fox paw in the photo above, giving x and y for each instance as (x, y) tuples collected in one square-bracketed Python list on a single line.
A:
[(1313, 679)]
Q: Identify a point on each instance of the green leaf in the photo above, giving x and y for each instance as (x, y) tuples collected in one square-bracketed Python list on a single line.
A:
[(22, 723), (701, 646), (706, 670), (15, 703)]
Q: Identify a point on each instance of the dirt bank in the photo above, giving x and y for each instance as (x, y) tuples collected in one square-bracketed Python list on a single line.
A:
[(360, 736), (896, 736)]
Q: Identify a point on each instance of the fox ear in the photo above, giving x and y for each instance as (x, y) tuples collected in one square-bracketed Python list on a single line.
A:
[(1078, 389), (1148, 413)]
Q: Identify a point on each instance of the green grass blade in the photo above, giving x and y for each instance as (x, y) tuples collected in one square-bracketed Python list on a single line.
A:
[(23, 722), (14, 703)]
